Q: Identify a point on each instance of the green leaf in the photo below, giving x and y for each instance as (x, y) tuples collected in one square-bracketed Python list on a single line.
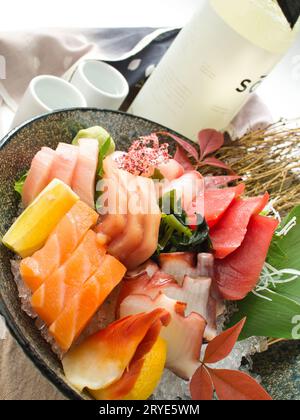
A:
[(19, 184), (285, 250), (104, 151), (174, 234), (97, 133), (274, 318), (267, 318)]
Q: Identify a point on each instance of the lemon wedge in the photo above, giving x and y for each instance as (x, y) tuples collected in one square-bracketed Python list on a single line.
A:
[(149, 377), (32, 228)]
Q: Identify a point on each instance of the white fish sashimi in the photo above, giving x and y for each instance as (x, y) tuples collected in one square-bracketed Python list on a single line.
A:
[(39, 175), (84, 178)]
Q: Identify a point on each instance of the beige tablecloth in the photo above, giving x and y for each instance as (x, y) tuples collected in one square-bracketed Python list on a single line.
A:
[(19, 378)]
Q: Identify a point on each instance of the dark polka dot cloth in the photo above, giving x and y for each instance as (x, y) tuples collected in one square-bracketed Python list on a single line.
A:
[(137, 68)]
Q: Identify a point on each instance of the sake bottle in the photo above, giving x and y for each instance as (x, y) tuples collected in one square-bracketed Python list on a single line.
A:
[(219, 58)]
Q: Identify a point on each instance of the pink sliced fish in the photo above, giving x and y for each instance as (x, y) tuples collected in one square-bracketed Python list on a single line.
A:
[(83, 182), (64, 163), (39, 175)]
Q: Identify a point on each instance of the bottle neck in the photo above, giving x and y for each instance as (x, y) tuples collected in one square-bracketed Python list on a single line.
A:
[(260, 21)]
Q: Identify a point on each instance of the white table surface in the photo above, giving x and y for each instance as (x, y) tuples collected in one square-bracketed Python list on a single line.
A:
[(281, 92)]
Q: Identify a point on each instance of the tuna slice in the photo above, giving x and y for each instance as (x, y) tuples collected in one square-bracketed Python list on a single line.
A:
[(59, 246), (83, 182), (86, 302), (64, 163), (216, 202), (238, 274), (229, 233), (60, 288), (39, 175)]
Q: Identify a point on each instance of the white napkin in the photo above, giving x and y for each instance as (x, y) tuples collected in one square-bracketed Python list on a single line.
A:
[(58, 52)]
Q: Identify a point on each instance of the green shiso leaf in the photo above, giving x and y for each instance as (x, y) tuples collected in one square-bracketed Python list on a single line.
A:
[(267, 318), (271, 314), (104, 151), (19, 184), (285, 249), (97, 133)]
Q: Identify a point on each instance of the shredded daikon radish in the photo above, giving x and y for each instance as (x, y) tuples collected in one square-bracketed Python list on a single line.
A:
[(270, 276), (287, 228), (270, 210)]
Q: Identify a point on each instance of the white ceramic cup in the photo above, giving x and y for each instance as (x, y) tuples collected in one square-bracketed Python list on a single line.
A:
[(101, 84), (45, 94)]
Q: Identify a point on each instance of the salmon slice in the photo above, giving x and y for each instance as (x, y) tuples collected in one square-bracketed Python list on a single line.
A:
[(86, 302), (84, 179), (62, 285), (64, 163), (239, 273), (229, 233), (39, 175), (59, 246), (217, 201)]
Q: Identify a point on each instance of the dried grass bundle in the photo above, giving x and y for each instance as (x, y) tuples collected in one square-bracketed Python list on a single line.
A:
[(269, 159)]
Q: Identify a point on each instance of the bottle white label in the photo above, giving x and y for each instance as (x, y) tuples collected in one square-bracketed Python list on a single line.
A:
[(205, 78)]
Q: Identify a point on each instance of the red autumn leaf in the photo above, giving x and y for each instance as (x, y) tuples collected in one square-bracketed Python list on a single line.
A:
[(191, 150), (221, 347), (213, 182), (212, 161), (231, 385), (209, 141), (182, 158), (201, 385)]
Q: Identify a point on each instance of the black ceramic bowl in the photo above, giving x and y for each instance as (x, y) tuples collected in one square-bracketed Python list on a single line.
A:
[(279, 368)]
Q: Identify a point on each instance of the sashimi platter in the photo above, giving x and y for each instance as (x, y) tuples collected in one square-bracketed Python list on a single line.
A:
[(152, 263)]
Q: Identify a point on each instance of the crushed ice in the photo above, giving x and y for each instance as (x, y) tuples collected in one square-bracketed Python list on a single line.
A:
[(173, 388)]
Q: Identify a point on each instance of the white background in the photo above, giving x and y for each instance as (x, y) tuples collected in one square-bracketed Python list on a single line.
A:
[(281, 91), (94, 13)]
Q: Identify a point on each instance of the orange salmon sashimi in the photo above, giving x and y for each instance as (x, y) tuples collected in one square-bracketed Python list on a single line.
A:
[(59, 246), (102, 359), (62, 285), (39, 175), (86, 302)]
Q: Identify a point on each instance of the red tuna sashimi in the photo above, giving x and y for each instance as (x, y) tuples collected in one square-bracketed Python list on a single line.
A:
[(84, 178), (216, 202), (237, 275), (229, 233), (64, 163), (39, 175)]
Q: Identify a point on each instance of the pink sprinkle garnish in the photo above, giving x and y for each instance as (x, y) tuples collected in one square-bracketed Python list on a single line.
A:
[(144, 155)]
